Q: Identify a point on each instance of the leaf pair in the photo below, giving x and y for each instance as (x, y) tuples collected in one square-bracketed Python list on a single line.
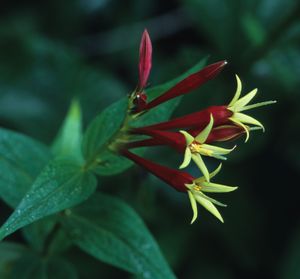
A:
[(47, 186)]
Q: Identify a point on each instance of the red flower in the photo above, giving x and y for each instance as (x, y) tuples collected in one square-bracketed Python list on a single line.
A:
[(177, 179), (177, 140), (188, 84), (189, 134), (197, 120)]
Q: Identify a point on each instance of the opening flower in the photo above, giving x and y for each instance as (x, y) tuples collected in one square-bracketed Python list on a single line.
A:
[(177, 140), (196, 146), (200, 185), (222, 115), (186, 183), (237, 105)]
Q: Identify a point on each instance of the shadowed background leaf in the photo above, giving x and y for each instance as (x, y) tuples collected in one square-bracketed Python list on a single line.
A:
[(54, 50)]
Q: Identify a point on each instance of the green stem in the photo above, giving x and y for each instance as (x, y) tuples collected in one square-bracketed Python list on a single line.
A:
[(113, 144)]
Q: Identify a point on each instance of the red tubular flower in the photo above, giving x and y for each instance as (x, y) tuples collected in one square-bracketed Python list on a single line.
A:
[(178, 142), (197, 120), (144, 143), (145, 62), (223, 133), (177, 179), (188, 84)]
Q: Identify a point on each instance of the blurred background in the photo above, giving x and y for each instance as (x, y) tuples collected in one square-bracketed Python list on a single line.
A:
[(53, 50)]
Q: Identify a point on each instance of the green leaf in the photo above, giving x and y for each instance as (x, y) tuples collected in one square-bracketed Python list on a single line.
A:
[(62, 184), (112, 164), (220, 25), (58, 268), (21, 160), (9, 253), (37, 232), (68, 141), (111, 231), (59, 243), (32, 266), (102, 129)]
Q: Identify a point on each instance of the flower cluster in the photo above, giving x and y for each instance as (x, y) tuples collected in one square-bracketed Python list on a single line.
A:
[(194, 135)]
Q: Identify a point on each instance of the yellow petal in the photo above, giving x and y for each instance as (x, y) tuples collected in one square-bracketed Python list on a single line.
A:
[(237, 92), (258, 105), (201, 165), (201, 179), (239, 123), (247, 119), (203, 135), (187, 158), (194, 206), (218, 150), (216, 188), (210, 207), (188, 138), (244, 100), (199, 193), (216, 171)]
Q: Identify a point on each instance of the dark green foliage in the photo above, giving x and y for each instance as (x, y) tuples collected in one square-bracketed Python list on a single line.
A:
[(60, 185), (54, 52), (111, 231), (21, 160), (30, 266)]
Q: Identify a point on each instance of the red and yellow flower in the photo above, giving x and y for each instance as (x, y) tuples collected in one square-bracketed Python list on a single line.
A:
[(193, 135)]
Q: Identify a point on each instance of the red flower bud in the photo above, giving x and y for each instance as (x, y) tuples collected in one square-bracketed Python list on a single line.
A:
[(177, 179), (190, 83), (145, 62)]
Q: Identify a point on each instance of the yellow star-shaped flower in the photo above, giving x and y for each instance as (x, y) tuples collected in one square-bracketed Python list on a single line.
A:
[(237, 105), (195, 147), (200, 185)]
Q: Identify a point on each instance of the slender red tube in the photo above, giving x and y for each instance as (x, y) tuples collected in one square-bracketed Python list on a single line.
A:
[(175, 178), (144, 143), (196, 120), (177, 140), (188, 84)]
